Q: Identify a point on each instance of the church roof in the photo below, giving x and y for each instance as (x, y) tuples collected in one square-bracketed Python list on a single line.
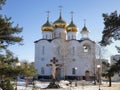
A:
[(50, 40)]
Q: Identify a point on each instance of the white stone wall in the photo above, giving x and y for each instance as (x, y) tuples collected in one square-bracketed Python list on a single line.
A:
[(72, 35), (60, 33), (47, 35), (63, 51)]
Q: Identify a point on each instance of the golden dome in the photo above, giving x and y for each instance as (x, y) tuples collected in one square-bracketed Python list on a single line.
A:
[(60, 23), (72, 27), (47, 26)]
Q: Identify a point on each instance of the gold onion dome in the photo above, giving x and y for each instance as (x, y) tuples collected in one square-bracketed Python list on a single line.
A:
[(60, 23), (72, 27), (47, 26)]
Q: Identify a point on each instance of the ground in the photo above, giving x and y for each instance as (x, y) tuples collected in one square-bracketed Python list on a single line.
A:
[(80, 86)]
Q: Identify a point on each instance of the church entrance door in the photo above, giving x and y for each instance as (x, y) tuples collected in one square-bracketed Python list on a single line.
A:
[(87, 75)]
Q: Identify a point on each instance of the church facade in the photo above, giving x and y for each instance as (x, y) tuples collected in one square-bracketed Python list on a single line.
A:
[(76, 57)]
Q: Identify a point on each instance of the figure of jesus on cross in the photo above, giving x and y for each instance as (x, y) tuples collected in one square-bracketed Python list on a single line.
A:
[(54, 67)]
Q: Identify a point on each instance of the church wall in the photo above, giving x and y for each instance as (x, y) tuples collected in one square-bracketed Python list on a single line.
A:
[(72, 35), (43, 56), (80, 60), (89, 60), (58, 32), (71, 52), (47, 35)]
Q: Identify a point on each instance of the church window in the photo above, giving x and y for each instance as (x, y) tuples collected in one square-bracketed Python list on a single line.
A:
[(43, 50), (59, 50), (55, 34), (50, 36), (42, 59), (73, 71), (72, 37), (59, 34), (73, 50), (85, 48), (73, 60), (42, 70), (68, 37), (46, 36)]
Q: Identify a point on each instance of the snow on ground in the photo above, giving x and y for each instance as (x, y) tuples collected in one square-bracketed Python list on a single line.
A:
[(41, 85)]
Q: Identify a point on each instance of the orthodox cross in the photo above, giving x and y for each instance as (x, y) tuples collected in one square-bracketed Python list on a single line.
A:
[(48, 12), (60, 10), (72, 15), (60, 7), (54, 67)]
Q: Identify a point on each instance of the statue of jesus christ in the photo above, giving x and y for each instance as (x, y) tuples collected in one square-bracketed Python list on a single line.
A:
[(53, 70), (54, 67)]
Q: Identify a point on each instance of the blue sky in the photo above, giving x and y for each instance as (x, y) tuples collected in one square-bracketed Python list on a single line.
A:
[(31, 15)]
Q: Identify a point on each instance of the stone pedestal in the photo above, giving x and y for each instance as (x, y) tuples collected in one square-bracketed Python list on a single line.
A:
[(53, 84)]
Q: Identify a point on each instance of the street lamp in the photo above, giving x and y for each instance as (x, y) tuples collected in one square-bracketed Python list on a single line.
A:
[(76, 76), (98, 67), (17, 65), (76, 71)]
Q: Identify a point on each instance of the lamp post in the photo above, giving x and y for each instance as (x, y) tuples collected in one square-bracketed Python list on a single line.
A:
[(98, 67), (76, 76), (17, 65)]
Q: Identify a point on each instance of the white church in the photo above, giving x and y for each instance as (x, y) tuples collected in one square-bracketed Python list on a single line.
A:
[(76, 57)]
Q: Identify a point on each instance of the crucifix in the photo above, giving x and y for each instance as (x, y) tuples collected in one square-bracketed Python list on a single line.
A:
[(54, 67)]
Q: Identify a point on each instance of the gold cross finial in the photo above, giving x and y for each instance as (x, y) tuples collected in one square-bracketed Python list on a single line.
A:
[(72, 15), (60, 7), (48, 12)]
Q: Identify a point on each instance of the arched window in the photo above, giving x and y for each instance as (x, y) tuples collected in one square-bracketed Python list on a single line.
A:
[(54, 34), (59, 34), (68, 37), (86, 48), (72, 37), (58, 50), (42, 70), (43, 50), (73, 50), (42, 59), (46, 36), (73, 70)]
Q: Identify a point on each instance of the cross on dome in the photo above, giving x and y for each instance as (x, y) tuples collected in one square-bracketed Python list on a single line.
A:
[(71, 15), (47, 26), (84, 22), (60, 7), (48, 12)]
